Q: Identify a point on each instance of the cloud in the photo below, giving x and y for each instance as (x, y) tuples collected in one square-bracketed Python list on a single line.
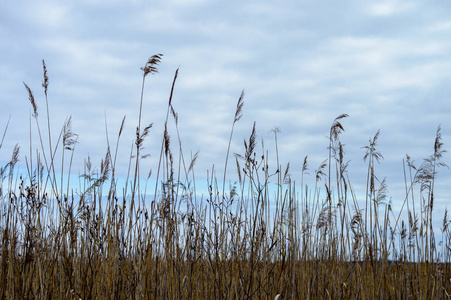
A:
[(301, 64), (443, 26), (389, 8), (50, 15)]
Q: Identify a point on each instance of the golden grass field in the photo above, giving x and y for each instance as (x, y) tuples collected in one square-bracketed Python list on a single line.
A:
[(245, 241)]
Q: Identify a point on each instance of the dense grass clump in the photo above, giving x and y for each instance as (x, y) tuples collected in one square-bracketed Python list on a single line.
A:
[(246, 241)]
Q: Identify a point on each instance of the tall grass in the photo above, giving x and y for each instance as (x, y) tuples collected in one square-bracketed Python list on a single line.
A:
[(243, 241)]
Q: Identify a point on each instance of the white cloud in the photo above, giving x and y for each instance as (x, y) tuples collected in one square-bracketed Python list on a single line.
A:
[(48, 14), (189, 2), (442, 26), (389, 7), (301, 65), (91, 60)]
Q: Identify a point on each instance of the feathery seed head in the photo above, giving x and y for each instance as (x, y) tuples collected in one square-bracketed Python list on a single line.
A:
[(151, 65), (31, 98)]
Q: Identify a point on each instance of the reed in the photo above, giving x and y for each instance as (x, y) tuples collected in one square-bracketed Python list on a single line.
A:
[(246, 240)]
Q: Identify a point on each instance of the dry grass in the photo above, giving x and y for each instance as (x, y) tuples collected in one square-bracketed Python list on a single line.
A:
[(243, 242)]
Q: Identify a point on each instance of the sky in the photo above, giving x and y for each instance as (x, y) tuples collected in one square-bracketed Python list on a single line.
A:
[(300, 63)]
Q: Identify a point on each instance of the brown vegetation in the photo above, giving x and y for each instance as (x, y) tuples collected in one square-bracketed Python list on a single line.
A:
[(245, 242)]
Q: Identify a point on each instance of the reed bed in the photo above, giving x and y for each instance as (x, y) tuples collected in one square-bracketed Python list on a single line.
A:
[(246, 240)]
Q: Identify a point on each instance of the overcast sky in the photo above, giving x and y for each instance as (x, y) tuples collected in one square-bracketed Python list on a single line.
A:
[(301, 63)]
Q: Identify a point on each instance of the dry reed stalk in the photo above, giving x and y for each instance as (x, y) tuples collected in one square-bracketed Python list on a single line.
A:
[(256, 242)]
